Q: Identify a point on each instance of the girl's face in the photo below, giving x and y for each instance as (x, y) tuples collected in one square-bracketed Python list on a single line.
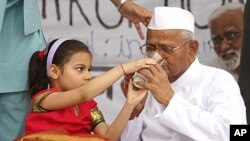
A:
[(75, 73)]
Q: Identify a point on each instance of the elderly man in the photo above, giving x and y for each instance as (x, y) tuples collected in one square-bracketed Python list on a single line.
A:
[(226, 25), (187, 101)]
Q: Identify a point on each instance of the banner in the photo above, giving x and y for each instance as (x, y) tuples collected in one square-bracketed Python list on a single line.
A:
[(112, 39)]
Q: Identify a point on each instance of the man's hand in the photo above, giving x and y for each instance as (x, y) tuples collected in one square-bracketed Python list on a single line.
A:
[(136, 14), (157, 83)]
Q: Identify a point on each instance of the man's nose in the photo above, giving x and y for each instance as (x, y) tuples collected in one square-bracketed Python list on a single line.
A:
[(224, 45), (157, 57)]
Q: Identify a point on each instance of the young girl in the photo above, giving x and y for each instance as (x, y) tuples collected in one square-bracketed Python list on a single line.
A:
[(62, 90)]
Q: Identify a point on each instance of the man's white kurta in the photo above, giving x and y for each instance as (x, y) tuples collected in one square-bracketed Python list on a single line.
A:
[(206, 101)]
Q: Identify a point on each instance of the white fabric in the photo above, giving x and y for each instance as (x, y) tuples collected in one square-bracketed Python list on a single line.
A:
[(215, 62), (171, 18), (206, 101)]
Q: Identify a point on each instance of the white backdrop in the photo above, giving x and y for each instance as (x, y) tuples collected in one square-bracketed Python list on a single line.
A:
[(112, 39)]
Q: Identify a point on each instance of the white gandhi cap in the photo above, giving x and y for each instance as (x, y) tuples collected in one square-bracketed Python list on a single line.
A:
[(171, 18)]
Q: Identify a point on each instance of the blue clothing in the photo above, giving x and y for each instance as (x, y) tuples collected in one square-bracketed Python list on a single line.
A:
[(20, 37), (13, 108)]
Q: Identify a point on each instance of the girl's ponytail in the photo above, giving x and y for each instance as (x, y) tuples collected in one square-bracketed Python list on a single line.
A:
[(37, 77)]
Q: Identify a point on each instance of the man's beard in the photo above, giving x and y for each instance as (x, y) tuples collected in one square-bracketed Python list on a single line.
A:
[(231, 64)]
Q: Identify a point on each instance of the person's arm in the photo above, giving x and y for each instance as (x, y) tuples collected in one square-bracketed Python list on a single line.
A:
[(115, 130), (209, 122), (201, 111), (134, 13), (94, 87)]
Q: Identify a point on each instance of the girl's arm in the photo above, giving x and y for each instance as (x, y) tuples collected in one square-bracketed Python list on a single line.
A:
[(115, 130), (94, 87)]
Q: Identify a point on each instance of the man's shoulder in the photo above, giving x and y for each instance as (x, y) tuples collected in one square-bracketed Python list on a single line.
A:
[(218, 68), (218, 73)]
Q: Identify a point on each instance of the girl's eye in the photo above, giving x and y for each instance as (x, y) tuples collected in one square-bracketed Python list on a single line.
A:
[(80, 69)]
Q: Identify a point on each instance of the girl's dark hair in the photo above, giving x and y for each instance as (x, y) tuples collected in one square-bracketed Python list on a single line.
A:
[(37, 73)]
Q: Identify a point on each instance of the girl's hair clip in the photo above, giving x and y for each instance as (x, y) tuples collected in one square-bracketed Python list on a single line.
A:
[(41, 55)]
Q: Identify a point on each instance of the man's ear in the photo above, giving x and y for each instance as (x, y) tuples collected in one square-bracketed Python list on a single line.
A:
[(54, 71), (194, 45)]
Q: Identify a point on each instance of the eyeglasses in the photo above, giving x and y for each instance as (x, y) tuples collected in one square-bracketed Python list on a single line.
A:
[(165, 51), (229, 38)]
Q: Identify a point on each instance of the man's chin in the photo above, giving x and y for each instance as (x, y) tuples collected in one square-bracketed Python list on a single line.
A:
[(230, 65), (232, 60)]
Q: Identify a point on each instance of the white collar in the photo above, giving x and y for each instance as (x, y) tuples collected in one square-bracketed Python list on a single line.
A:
[(188, 74)]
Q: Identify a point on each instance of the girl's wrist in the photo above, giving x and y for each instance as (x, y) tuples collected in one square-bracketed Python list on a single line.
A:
[(130, 106), (123, 69), (136, 111)]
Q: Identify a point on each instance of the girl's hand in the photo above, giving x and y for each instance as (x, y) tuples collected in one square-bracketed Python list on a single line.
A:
[(134, 97), (125, 82), (134, 66)]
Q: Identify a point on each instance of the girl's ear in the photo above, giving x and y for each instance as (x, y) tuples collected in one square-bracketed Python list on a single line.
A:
[(54, 71)]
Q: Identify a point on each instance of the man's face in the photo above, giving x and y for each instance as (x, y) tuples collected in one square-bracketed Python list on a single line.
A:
[(226, 34), (176, 63)]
